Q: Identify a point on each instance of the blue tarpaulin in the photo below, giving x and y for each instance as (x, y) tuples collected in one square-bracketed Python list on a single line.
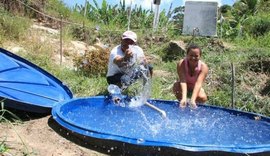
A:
[(23, 82)]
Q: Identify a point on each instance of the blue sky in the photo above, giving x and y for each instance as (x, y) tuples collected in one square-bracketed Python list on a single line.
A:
[(165, 4)]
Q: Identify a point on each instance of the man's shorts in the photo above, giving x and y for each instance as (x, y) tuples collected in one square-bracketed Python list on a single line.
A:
[(115, 79)]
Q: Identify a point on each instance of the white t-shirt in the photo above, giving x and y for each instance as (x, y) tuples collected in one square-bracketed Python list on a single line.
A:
[(117, 51)]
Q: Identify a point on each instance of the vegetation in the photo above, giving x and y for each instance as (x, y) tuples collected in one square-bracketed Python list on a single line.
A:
[(12, 27), (8, 117), (244, 28), (3, 146)]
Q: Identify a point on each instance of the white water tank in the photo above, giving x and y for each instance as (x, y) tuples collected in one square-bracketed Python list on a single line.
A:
[(200, 18)]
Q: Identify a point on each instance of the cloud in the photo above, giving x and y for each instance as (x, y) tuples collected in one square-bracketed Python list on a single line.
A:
[(146, 4), (166, 2), (219, 1)]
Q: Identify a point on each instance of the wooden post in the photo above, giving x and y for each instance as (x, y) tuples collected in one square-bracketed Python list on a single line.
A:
[(261, 64), (156, 19), (61, 40), (129, 14), (85, 8), (233, 85), (84, 32)]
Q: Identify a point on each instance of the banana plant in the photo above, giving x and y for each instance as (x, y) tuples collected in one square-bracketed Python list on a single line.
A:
[(118, 15)]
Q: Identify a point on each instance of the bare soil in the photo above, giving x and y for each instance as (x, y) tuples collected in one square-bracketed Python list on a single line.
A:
[(41, 135)]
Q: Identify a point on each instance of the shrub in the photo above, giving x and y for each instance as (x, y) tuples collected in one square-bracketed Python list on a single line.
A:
[(171, 51), (93, 62), (258, 25), (12, 26)]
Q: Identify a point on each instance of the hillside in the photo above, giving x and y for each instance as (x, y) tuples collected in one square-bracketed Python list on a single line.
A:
[(36, 37)]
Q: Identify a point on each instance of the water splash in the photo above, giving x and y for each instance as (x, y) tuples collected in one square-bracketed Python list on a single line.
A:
[(116, 96), (135, 102), (140, 141), (137, 80), (141, 94)]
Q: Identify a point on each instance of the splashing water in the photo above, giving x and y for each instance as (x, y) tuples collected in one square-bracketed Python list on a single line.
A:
[(116, 95), (142, 95), (137, 80), (135, 102), (140, 84), (114, 89)]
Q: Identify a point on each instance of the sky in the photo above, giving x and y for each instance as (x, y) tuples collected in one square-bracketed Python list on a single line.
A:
[(165, 4)]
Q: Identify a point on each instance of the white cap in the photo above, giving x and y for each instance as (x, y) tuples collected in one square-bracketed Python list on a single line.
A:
[(130, 35)]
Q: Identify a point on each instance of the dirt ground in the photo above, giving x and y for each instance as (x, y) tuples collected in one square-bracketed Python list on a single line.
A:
[(42, 136)]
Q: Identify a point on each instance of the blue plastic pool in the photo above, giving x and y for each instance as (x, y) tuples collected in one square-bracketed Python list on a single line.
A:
[(207, 128)]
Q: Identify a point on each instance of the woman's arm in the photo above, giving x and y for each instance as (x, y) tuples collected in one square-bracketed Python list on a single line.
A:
[(199, 82), (182, 79)]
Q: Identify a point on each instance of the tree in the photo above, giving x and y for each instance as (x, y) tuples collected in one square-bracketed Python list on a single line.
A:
[(178, 17)]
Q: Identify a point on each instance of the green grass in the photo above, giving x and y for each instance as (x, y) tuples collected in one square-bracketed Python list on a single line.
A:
[(9, 118), (218, 84), (246, 53), (3, 146), (81, 85), (12, 27)]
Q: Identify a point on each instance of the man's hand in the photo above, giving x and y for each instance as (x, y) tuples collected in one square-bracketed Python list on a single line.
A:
[(128, 54)]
